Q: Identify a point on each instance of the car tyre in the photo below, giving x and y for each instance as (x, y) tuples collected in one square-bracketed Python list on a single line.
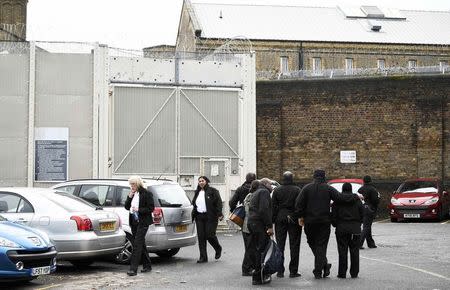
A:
[(81, 263), (168, 253), (393, 220), (124, 257)]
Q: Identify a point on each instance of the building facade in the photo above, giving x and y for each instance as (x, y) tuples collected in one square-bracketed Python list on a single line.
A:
[(13, 20)]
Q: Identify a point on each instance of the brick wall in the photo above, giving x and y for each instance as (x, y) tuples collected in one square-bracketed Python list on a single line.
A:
[(398, 126)]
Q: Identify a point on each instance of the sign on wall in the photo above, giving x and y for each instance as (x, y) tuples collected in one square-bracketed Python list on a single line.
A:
[(348, 156), (51, 154)]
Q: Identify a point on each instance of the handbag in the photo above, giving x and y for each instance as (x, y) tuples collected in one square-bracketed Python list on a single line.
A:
[(273, 260), (238, 215)]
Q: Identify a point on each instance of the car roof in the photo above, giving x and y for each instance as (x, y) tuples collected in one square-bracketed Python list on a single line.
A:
[(350, 180), (115, 181), (27, 191)]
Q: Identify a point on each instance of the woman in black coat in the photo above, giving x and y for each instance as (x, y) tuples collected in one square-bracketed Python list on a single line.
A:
[(207, 212), (140, 204)]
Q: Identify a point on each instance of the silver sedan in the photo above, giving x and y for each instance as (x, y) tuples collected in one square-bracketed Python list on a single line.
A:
[(80, 231)]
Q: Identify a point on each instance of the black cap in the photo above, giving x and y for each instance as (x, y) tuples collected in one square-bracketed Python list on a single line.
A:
[(367, 179)]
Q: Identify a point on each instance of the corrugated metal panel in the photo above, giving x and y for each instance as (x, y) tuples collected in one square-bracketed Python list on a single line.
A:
[(14, 74), (135, 109), (64, 99), (190, 166), (219, 177), (319, 24), (209, 123)]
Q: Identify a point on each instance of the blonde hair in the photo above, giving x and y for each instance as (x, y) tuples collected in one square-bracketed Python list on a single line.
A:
[(136, 180)]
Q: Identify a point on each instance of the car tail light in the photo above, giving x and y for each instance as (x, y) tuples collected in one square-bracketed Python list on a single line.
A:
[(157, 215), (83, 222)]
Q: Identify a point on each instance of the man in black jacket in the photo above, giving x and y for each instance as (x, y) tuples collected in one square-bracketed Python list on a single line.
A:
[(283, 206), (371, 199), (260, 226), (347, 219), (312, 208), (238, 197)]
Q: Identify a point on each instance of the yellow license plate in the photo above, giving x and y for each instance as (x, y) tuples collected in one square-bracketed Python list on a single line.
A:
[(180, 229), (109, 226)]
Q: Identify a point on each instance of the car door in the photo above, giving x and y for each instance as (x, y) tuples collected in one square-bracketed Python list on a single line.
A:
[(15, 208)]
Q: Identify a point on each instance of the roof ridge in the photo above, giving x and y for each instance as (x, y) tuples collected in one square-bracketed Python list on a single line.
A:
[(262, 5)]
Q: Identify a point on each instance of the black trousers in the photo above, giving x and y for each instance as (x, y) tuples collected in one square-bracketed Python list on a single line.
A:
[(366, 233), (258, 242), (282, 229), (247, 262), (140, 254), (345, 243), (206, 231), (318, 235)]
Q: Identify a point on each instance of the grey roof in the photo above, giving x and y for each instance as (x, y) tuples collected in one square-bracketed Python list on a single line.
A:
[(334, 24)]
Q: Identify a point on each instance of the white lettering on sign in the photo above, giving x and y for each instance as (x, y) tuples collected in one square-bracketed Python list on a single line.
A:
[(348, 156)]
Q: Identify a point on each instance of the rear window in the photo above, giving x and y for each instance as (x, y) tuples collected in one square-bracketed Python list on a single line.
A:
[(169, 195), (338, 186), (418, 186), (69, 202)]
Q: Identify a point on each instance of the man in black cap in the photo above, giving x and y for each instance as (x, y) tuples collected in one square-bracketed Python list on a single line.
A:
[(283, 206), (312, 208), (371, 201), (238, 197)]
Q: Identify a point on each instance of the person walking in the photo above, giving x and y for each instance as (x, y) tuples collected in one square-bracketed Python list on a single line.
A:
[(140, 205), (347, 219), (238, 198), (283, 207), (312, 209), (260, 227), (371, 201), (207, 212)]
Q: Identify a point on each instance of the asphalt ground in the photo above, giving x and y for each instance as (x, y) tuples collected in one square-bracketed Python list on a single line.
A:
[(410, 255)]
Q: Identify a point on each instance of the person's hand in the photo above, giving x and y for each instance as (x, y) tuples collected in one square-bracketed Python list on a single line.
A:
[(221, 218), (301, 222), (270, 231), (361, 197), (131, 194)]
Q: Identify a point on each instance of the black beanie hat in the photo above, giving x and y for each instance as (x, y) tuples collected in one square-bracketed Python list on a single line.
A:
[(367, 179), (319, 173)]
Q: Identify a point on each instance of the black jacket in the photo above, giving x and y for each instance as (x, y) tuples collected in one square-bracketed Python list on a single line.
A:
[(371, 197), (146, 207), (283, 202), (213, 203), (260, 208), (313, 203), (347, 217), (239, 195)]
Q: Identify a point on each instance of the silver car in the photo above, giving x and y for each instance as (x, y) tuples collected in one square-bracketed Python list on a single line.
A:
[(173, 227), (80, 231)]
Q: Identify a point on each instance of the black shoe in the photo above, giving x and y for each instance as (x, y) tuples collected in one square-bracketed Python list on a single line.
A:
[(341, 276), (354, 276), (294, 275), (256, 282), (218, 254), (373, 247), (248, 273), (202, 261), (132, 273), (146, 269), (280, 275), (317, 276), (361, 248), (326, 270)]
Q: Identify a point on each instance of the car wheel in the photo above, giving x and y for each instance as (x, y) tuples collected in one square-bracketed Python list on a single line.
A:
[(393, 220), (81, 263), (168, 253), (124, 257)]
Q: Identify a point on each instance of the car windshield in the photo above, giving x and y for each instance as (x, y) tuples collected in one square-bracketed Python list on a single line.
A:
[(418, 186), (169, 195), (338, 186), (69, 202)]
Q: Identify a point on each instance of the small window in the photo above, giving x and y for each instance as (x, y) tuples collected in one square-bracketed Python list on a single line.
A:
[(95, 194), (122, 195), (317, 65), (284, 64), (412, 64), (69, 189), (349, 66), (9, 203), (381, 64)]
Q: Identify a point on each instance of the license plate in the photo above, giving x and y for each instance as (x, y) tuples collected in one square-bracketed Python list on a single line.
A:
[(106, 227), (180, 229), (411, 215), (40, 271)]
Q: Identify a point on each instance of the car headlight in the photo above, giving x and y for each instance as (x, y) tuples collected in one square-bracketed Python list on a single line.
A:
[(395, 201), (431, 201), (8, 244)]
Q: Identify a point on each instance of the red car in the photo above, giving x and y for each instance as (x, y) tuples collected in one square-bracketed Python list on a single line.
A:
[(421, 198)]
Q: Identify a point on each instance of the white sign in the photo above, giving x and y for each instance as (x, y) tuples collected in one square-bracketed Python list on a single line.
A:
[(214, 169), (348, 156)]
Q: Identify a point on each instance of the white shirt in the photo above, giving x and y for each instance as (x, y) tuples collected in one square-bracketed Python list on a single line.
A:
[(135, 201), (200, 202)]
